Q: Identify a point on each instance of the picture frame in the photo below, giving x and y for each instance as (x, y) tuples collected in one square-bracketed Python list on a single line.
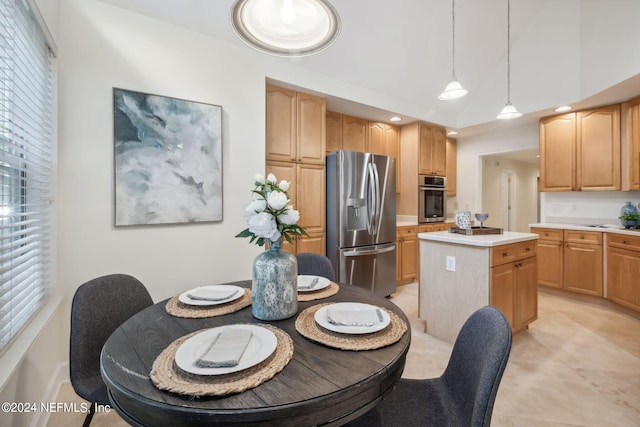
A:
[(167, 159)]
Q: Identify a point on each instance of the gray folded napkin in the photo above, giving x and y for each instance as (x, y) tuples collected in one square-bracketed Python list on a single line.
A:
[(209, 294), (226, 349), (346, 317), (311, 285)]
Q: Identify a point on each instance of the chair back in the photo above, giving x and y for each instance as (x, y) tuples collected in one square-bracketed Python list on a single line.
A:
[(98, 308), (477, 363), (315, 265)]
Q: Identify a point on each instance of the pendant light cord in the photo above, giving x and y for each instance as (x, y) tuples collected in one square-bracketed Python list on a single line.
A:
[(453, 38), (508, 51)]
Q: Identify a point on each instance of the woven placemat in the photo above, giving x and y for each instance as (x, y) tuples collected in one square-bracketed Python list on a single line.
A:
[(166, 375), (330, 290), (307, 326), (176, 308)]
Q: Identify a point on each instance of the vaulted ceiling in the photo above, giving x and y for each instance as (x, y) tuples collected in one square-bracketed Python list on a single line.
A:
[(585, 52)]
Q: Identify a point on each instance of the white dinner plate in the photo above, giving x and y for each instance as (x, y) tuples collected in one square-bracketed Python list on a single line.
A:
[(305, 279), (321, 318), (262, 344), (184, 298)]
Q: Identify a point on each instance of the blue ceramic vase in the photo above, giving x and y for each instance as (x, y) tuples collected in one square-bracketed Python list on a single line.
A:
[(275, 284)]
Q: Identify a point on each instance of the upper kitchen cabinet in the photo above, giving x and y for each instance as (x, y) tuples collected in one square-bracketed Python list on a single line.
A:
[(581, 151), (432, 150), (334, 131), (452, 152), (558, 153), (384, 139), (295, 126), (598, 149), (631, 145), (354, 133)]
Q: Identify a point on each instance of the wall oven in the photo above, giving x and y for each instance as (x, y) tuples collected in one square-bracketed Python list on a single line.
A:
[(432, 201)]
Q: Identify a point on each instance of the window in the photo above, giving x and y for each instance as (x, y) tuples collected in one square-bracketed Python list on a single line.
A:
[(26, 164)]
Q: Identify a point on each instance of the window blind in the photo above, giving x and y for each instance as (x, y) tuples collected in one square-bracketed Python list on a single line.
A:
[(26, 164)]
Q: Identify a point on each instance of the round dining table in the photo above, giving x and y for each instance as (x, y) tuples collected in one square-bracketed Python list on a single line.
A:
[(320, 385)]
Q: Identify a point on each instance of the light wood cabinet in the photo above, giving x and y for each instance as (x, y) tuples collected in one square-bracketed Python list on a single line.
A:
[(406, 254), (451, 182), (598, 149), (550, 248), (376, 138), (354, 133), (623, 270), (631, 145), (581, 151), (513, 282), (570, 260), (334, 131), (438, 226), (295, 152), (295, 126), (432, 156), (392, 149)]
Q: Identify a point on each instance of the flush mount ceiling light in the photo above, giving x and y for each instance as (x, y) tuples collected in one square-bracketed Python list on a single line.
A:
[(395, 119), (509, 111), (286, 27), (454, 89), (563, 108)]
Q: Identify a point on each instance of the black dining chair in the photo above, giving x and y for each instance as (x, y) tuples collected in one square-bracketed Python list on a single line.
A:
[(98, 308), (315, 265), (465, 393)]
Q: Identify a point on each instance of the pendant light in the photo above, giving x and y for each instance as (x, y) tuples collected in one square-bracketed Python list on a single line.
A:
[(286, 27), (509, 111), (454, 89)]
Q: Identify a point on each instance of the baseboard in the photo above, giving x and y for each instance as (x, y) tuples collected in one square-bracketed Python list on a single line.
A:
[(60, 376)]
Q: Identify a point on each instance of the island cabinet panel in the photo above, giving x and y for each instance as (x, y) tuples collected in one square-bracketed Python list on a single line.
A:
[(623, 270), (513, 283)]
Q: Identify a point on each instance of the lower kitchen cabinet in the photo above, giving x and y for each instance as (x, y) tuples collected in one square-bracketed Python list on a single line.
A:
[(513, 285), (406, 254), (623, 270), (570, 260)]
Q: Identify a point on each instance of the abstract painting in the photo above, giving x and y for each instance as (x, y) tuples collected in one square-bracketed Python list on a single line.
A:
[(168, 159)]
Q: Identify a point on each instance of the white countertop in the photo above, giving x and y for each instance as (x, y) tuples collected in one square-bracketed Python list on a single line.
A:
[(486, 240), (605, 228)]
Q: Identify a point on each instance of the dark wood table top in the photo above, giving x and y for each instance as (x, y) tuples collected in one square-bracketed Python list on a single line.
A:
[(319, 386)]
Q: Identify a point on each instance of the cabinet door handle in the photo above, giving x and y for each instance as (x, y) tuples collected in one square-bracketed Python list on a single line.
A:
[(527, 249), (504, 254), (546, 234), (624, 242), (582, 236)]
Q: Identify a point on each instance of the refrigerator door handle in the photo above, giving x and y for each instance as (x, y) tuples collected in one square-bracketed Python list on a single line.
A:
[(372, 198), (374, 251), (378, 198)]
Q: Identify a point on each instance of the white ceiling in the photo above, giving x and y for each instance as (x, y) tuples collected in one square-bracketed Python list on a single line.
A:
[(402, 49)]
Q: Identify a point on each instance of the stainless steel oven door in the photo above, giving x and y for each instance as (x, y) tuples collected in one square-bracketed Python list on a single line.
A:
[(432, 204)]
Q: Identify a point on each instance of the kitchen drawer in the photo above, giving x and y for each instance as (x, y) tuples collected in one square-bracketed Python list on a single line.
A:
[(576, 236), (525, 249), (429, 228), (624, 241), (548, 233), (406, 231), (503, 254)]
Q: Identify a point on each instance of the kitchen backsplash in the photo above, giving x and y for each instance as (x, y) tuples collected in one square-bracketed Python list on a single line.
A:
[(600, 207)]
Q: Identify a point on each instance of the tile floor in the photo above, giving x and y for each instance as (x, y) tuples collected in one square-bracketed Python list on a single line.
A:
[(577, 365)]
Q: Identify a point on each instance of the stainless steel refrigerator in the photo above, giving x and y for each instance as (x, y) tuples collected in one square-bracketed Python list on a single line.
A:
[(361, 219)]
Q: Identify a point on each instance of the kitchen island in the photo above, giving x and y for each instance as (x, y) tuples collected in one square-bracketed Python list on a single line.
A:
[(459, 274)]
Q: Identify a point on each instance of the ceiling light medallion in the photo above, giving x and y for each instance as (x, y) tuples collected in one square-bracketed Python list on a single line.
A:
[(454, 89), (509, 111), (286, 27)]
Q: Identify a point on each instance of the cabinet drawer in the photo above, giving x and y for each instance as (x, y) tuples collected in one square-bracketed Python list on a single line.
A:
[(428, 228), (548, 233), (526, 249), (406, 231), (575, 236), (503, 254), (624, 241)]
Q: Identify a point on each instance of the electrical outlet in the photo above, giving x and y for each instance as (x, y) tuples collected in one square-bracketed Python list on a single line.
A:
[(451, 263)]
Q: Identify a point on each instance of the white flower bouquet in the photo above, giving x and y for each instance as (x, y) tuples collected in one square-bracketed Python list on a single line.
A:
[(270, 215)]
